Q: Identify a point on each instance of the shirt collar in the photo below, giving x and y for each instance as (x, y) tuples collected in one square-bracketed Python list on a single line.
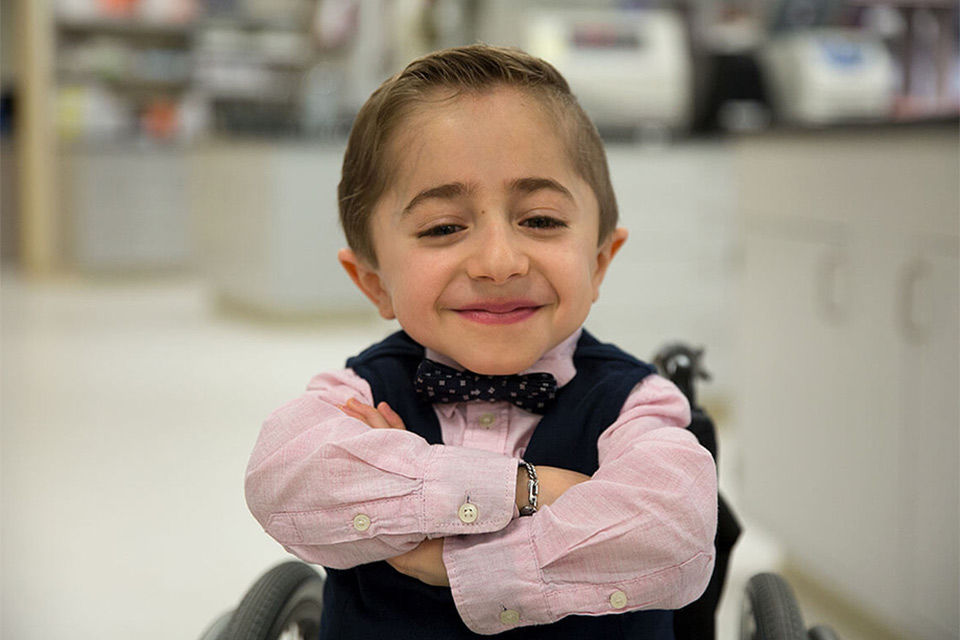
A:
[(558, 361)]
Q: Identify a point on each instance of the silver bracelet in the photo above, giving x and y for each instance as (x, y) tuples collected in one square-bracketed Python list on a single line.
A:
[(533, 489)]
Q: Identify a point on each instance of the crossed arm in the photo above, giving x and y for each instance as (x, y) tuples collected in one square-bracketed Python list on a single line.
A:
[(425, 561), (643, 524)]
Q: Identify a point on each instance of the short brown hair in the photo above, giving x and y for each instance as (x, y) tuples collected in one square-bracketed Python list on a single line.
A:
[(474, 68)]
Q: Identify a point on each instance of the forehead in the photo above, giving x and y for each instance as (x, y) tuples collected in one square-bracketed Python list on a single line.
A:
[(502, 133), (505, 97)]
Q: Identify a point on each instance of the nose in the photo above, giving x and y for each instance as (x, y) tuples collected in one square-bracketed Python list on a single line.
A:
[(497, 255)]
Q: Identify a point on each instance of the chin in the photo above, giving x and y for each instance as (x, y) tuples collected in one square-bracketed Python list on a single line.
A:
[(491, 365)]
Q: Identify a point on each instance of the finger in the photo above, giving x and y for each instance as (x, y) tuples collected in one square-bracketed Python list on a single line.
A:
[(352, 412), (367, 414), (391, 416)]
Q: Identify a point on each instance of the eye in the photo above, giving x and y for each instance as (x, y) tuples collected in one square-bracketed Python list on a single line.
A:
[(543, 222), (440, 230)]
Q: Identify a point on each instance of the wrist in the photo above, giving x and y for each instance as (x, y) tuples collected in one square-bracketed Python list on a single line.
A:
[(528, 489), (521, 496)]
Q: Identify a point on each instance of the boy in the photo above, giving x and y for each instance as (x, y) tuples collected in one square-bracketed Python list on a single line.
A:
[(451, 496)]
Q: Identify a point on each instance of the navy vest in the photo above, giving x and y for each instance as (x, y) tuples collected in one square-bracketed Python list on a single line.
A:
[(375, 602)]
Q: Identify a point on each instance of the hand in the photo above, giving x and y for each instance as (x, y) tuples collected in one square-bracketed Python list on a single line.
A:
[(553, 482), (425, 563), (381, 417)]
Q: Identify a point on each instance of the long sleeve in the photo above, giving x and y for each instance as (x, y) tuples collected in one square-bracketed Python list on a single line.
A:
[(335, 492), (637, 535)]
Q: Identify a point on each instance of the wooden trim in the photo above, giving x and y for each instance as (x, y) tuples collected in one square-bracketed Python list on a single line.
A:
[(36, 139)]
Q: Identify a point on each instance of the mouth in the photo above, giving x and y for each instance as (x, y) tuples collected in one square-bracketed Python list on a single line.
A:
[(499, 312)]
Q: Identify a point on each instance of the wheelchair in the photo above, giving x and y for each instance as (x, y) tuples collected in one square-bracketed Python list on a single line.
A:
[(286, 602)]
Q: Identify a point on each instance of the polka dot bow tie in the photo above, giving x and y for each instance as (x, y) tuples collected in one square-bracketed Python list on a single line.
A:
[(439, 383)]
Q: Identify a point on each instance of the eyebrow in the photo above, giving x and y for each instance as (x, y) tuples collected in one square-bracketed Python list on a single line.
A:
[(450, 191), (454, 190), (531, 185)]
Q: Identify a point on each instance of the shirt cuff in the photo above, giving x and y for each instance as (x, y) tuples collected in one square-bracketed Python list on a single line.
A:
[(467, 491), (495, 579)]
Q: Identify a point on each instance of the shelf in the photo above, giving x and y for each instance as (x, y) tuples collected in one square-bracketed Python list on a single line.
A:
[(231, 71), (251, 97), (125, 144), (138, 84), (127, 27), (247, 23)]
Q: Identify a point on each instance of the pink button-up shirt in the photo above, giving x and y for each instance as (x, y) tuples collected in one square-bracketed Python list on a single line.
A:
[(637, 535)]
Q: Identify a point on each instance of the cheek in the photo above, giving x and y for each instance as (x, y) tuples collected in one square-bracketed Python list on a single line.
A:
[(580, 280), (415, 287), (577, 267)]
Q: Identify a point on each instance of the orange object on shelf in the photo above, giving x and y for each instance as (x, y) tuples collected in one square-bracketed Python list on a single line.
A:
[(160, 119), (118, 7)]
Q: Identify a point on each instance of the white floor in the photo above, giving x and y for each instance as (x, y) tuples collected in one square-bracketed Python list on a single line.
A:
[(128, 412)]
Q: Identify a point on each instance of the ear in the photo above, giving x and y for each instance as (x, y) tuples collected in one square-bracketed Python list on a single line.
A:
[(368, 281), (605, 255)]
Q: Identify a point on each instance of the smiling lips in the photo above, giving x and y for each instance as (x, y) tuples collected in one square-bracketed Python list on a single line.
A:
[(507, 312)]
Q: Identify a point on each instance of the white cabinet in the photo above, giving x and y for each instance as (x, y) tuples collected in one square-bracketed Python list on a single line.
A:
[(268, 229), (676, 277), (849, 392), (930, 443), (126, 207)]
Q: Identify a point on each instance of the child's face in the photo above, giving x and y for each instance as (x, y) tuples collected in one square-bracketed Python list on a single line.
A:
[(487, 239)]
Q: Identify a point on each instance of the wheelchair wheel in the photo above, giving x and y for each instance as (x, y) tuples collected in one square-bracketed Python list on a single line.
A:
[(285, 603), (770, 610), (822, 632), (217, 630)]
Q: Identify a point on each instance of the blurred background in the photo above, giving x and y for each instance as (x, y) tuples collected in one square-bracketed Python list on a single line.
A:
[(788, 170)]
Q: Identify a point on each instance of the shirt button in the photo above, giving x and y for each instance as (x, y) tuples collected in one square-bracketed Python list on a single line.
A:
[(468, 513), (487, 419), (509, 616), (361, 522), (618, 600)]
